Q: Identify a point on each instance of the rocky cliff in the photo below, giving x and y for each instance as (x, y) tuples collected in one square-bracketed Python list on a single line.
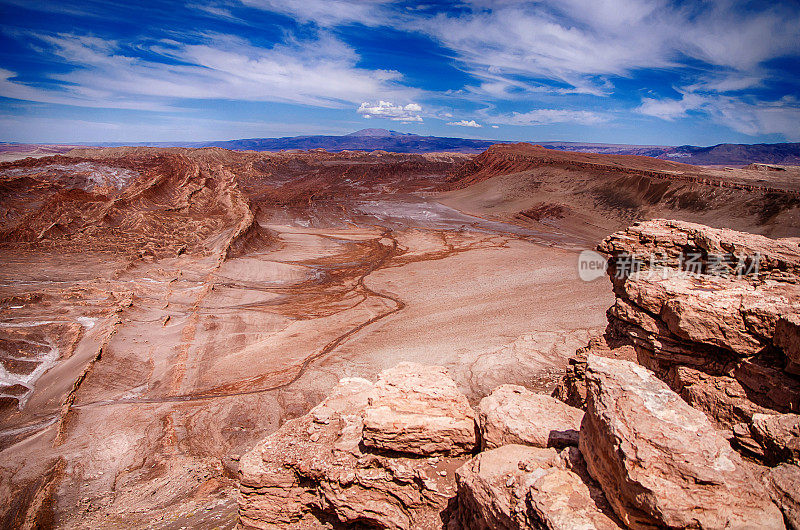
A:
[(681, 416)]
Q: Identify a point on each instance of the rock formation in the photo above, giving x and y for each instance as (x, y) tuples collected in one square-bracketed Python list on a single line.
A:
[(505, 418), (320, 466), (692, 368), (660, 461), (713, 315), (420, 411)]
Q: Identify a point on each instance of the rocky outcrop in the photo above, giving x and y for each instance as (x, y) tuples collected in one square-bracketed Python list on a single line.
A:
[(319, 467), (419, 410), (516, 487), (714, 372), (713, 312), (513, 415), (660, 462)]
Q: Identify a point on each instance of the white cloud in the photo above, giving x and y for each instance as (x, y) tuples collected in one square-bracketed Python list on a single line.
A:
[(514, 46), (327, 13), (465, 123), (670, 109), (495, 126), (550, 116), (387, 109), (321, 72), (764, 117)]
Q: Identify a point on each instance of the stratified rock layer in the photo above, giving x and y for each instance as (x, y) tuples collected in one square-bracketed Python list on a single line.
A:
[(513, 415), (418, 409), (660, 461), (320, 467)]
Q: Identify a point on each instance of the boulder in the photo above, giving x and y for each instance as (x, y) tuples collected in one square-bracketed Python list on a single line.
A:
[(512, 414), (659, 461), (314, 470), (779, 435), (418, 409), (783, 482), (523, 487)]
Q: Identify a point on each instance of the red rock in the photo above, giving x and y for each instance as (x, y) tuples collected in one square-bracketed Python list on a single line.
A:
[(779, 435), (418, 409), (787, 337), (784, 486), (513, 415), (635, 439)]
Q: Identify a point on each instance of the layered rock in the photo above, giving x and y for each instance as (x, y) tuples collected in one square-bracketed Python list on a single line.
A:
[(713, 312), (512, 414), (716, 366), (419, 410), (319, 466), (660, 462)]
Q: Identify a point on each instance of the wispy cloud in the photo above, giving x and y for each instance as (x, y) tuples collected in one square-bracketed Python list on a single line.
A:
[(583, 44), (328, 13), (321, 72), (550, 116), (764, 117), (670, 109)]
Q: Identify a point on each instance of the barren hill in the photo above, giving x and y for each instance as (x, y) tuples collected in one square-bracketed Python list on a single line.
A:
[(594, 194)]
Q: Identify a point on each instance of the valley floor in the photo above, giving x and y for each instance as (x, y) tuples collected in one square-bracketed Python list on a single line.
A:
[(190, 362)]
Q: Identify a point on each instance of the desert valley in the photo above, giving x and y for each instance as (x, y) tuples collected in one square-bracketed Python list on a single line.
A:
[(166, 309), (386, 264)]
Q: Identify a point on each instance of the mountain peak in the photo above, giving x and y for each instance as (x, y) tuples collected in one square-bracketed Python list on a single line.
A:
[(377, 132)]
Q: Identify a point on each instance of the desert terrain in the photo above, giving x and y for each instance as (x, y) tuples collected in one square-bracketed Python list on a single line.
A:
[(166, 309)]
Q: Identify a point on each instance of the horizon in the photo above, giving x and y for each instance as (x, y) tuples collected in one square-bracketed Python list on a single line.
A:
[(146, 143), (641, 72)]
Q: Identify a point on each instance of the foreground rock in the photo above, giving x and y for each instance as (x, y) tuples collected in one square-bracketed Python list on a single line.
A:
[(659, 461), (715, 313), (779, 436), (517, 487), (318, 468), (784, 487), (418, 409), (513, 415)]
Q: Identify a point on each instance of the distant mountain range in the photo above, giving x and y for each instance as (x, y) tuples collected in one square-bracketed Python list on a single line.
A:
[(397, 142)]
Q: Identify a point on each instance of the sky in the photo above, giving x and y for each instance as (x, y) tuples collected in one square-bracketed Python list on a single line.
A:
[(615, 71)]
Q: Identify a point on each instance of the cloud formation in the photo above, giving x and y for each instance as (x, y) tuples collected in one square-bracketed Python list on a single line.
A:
[(465, 123), (106, 73), (386, 109), (550, 116), (568, 63)]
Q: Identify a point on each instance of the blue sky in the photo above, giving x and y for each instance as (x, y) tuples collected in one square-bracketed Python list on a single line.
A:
[(633, 71)]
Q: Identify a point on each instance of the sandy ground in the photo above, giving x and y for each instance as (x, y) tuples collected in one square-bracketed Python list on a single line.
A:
[(192, 363)]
